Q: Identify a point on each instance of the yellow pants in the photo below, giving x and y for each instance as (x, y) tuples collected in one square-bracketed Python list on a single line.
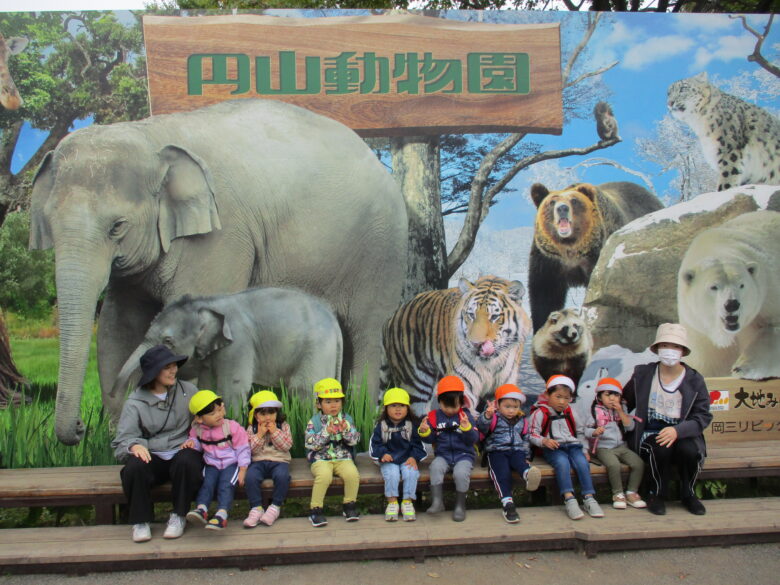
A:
[(323, 476)]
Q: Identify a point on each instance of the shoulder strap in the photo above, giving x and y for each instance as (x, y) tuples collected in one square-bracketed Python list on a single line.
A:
[(493, 422), (432, 419), (570, 421)]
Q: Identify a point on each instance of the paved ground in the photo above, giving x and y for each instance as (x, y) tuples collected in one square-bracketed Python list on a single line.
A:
[(738, 565)]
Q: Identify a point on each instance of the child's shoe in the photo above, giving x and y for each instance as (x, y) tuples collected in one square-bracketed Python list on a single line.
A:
[(573, 510), (532, 478), (510, 513), (216, 523), (391, 512), (350, 512), (407, 511), (270, 516), (317, 518), (255, 514), (142, 532), (175, 527), (592, 507), (635, 500), (198, 516), (619, 501)]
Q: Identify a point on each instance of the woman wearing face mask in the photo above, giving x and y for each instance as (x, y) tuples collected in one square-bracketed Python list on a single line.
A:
[(673, 409)]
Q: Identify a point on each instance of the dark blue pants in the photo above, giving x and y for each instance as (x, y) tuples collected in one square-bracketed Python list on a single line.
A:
[(219, 482), (562, 460), (278, 471), (501, 464)]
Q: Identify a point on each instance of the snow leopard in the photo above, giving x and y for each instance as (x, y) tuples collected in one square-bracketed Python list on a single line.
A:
[(740, 140)]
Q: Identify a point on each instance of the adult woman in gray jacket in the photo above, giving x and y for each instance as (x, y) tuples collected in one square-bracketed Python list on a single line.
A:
[(672, 409), (153, 426)]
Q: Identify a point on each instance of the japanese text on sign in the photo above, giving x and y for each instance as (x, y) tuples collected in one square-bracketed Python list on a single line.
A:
[(362, 73)]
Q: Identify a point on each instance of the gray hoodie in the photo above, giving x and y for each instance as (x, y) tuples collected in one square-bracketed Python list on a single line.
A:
[(158, 425)]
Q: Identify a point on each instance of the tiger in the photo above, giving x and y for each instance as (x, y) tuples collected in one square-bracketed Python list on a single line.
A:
[(475, 331)]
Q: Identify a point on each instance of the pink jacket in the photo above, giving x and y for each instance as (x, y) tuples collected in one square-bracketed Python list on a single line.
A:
[(223, 454)]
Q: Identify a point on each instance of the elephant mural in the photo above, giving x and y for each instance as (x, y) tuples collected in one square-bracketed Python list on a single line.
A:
[(261, 335), (213, 201)]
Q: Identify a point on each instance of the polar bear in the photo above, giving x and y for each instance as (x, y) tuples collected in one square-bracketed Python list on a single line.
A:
[(728, 297)]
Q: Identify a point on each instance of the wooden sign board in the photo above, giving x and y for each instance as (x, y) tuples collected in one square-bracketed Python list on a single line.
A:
[(743, 410), (379, 75)]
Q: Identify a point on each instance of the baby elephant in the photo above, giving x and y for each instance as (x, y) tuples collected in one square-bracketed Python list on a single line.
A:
[(260, 335)]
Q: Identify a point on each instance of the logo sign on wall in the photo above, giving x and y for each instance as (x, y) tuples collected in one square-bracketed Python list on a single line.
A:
[(380, 75), (719, 400)]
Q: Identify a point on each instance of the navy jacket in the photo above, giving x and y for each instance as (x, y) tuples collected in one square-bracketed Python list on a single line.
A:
[(397, 445), (695, 413), (449, 441)]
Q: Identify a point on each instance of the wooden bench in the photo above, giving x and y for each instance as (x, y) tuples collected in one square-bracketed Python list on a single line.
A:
[(743, 442)]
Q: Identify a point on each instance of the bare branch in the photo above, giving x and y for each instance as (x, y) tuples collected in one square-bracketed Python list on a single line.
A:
[(592, 162), (590, 74), (66, 24), (756, 56), (593, 19)]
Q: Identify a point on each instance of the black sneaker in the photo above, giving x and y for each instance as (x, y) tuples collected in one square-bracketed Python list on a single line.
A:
[(510, 513), (656, 505), (350, 512), (317, 518), (694, 505)]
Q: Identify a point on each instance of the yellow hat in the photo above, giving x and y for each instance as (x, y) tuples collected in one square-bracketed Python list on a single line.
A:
[(396, 396), (328, 388), (262, 399), (201, 399)]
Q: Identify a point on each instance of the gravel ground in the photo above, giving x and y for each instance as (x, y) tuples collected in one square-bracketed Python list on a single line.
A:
[(737, 565)]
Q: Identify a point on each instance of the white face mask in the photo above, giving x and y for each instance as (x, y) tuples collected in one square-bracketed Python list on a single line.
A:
[(669, 356)]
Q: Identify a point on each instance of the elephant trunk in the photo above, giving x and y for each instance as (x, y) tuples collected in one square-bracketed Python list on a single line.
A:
[(130, 373), (79, 283)]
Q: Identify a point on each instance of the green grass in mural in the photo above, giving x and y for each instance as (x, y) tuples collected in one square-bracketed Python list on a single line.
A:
[(27, 436)]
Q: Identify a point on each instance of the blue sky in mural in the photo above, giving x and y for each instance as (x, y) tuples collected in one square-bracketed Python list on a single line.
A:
[(652, 50)]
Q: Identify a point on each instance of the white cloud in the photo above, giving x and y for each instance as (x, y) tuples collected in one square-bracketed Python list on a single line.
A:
[(706, 23), (656, 49), (727, 48)]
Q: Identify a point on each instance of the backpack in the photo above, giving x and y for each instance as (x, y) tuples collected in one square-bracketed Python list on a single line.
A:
[(224, 441)]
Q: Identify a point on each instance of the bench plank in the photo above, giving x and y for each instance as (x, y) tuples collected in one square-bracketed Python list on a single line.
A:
[(293, 540)]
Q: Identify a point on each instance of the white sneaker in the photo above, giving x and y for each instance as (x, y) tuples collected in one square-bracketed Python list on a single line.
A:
[(142, 532), (391, 512), (592, 507), (532, 478), (573, 510), (619, 501), (175, 526)]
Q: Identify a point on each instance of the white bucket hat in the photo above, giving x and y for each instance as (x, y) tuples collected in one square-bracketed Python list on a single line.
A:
[(671, 333)]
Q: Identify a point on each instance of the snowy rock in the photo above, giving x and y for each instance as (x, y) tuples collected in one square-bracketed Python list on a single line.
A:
[(633, 287)]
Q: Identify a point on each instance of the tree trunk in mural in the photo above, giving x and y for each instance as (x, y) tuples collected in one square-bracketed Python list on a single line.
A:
[(10, 377), (415, 163)]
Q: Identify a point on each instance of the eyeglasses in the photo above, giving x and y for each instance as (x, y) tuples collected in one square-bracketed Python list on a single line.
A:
[(210, 408), (266, 410)]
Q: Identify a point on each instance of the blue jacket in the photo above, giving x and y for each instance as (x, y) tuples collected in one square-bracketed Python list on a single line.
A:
[(448, 440), (506, 436), (403, 442)]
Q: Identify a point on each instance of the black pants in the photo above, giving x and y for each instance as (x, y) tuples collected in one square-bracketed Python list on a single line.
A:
[(185, 472), (658, 465)]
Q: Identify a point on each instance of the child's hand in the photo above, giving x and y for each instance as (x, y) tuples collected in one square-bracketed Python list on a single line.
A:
[(598, 432), (424, 426), (271, 427), (411, 463), (550, 443), (333, 429), (491, 409), (188, 444), (241, 476), (386, 458), (261, 430), (464, 420)]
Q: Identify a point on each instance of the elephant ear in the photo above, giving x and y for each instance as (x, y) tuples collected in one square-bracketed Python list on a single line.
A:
[(214, 333), (43, 182), (186, 196)]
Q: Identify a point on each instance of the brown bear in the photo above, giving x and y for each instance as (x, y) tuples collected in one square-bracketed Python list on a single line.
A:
[(562, 346), (570, 230)]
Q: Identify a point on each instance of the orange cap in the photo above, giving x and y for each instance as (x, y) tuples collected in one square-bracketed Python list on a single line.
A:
[(450, 384), (609, 385), (510, 391)]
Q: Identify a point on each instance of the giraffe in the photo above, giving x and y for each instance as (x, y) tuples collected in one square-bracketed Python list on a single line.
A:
[(9, 95)]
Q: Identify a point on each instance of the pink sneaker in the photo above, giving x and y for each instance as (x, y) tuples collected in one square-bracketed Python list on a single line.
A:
[(270, 516), (255, 514)]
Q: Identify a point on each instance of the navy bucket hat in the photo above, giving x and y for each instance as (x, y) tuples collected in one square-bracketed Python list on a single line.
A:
[(155, 359)]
